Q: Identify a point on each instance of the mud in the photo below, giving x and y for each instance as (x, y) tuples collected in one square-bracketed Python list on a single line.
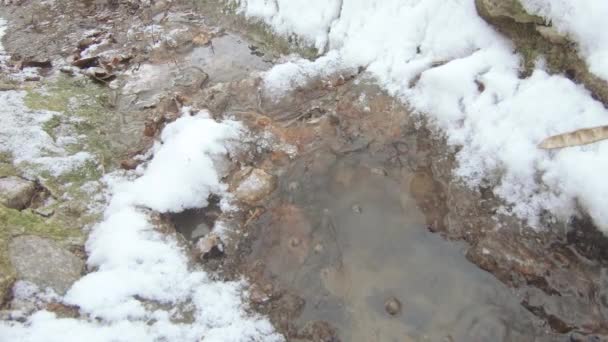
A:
[(347, 238)]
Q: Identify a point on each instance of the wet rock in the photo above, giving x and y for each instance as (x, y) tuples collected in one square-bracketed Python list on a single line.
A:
[(86, 42), (99, 74), (392, 306), (67, 70), (551, 35), (129, 164), (36, 63), (44, 263), (259, 294), (210, 246), (533, 38), (15, 192), (192, 77), (319, 331), (509, 9), (256, 185), (86, 62)]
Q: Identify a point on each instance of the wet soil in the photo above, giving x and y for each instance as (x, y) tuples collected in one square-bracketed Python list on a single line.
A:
[(350, 236)]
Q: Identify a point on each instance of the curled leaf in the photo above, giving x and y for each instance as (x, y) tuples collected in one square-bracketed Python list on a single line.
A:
[(576, 138)]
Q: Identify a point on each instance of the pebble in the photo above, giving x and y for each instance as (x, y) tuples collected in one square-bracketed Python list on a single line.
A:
[(392, 306), (15, 192), (318, 248), (295, 242)]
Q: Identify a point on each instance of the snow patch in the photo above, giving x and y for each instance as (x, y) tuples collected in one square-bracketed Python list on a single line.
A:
[(581, 21), (433, 54), (23, 137), (143, 287)]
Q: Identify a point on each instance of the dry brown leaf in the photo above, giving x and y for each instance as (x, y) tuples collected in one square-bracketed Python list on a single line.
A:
[(576, 138)]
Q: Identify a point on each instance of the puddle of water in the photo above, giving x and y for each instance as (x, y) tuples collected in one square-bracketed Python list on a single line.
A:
[(227, 59), (194, 224), (347, 238)]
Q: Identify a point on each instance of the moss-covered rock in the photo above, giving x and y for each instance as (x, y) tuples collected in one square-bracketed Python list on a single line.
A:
[(534, 38), (15, 223)]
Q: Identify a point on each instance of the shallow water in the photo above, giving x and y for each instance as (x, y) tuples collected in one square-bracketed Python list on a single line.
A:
[(347, 238), (229, 58)]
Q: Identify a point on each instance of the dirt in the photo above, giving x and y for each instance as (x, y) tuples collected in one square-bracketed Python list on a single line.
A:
[(366, 210)]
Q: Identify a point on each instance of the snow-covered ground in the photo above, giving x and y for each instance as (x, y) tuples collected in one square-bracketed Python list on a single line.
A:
[(143, 287), (448, 50), (133, 261), (583, 22)]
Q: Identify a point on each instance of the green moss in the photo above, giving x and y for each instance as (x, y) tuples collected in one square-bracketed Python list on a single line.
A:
[(50, 126), (14, 223), (6, 165), (25, 222), (59, 95), (84, 106)]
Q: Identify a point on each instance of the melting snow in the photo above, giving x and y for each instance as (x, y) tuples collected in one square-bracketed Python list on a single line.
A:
[(400, 41), (135, 264), (584, 22)]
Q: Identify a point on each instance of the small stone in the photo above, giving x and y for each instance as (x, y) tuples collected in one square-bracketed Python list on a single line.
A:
[(257, 295), (44, 212), (392, 306), (99, 73), (295, 242), (255, 186), (318, 248), (45, 263), (129, 164), (86, 42), (209, 246), (378, 171), (67, 70), (357, 209), (15, 192), (36, 63), (32, 78), (86, 62)]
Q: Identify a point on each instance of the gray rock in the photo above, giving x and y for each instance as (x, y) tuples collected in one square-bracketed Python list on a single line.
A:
[(44, 263), (15, 192), (512, 9)]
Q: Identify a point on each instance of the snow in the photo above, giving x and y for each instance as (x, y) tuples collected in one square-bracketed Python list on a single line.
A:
[(433, 54), (135, 265), (310, 19), (583, 22), (22, 135)]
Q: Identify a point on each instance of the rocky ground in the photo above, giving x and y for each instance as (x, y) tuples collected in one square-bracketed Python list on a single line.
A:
[(109, 76)]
